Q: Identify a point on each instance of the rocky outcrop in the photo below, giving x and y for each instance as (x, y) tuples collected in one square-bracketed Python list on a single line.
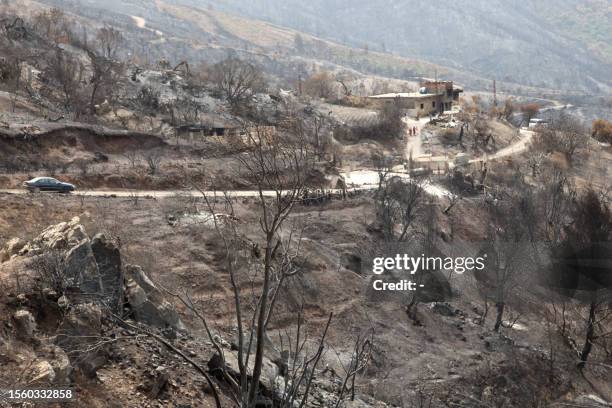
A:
[(11, 249), (270, 382), (42, 372), (83, 284), (108, 259), (323, 392), (61, 365), (147, 301), (93, 271), (60, 236), (78, 334), (25, 324), (81, 268), (55, 370)]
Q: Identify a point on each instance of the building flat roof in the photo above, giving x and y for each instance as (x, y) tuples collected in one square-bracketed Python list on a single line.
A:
[(415, 95), (402, 95)]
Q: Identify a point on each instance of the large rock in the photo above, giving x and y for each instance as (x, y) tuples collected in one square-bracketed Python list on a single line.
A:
[(61, 366), (25, 324), (147, 301), (269, 370), (42, 372), (79, 335), (59, 236), (54, 368), (12, 248), (70, 241), (81, 268), (108, 259)]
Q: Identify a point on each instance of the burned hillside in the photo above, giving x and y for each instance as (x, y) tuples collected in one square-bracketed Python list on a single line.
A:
[(200, 209)]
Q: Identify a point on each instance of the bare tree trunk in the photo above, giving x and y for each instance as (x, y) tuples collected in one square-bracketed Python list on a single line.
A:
[(261, 322), (485, 312), (590, 334), (500, 306)]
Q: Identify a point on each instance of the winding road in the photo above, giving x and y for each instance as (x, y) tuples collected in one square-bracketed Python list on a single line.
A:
[(164, 193), (357, 180), (368, 178)]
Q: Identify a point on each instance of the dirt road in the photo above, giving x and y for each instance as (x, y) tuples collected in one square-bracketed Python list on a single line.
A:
[(147, 193), (517, 147), (357, 180), (171, 193), (414, 143), (369, 178)]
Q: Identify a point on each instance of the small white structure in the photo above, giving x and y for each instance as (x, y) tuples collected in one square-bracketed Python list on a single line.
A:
[(535, 123)]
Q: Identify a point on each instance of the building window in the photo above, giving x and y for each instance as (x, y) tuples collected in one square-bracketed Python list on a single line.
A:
[(433, 104), (422, 106)]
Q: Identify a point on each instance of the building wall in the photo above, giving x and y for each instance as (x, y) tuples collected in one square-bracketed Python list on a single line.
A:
[(439, 97), (421, 106)]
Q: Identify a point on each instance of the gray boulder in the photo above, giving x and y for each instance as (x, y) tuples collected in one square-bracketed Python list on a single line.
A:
[(81, 268), (147, 301), (78, 336), (42, 372), (269, 371), (12, 248), (59, 362), (25, 324), (108, 259), (59, 236), (61, 365)]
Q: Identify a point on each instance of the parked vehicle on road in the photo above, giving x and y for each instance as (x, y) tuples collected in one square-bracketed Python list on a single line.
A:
[(48, 184)]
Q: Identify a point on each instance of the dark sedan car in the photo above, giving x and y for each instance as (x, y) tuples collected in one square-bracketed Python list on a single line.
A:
[(48, 184)]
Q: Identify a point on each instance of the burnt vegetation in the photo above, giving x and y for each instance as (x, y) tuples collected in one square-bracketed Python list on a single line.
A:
[(229, 263)]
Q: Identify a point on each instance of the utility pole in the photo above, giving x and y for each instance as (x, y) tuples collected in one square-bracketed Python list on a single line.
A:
[(494, 94)]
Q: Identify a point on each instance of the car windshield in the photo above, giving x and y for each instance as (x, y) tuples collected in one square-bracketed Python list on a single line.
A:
[(44, 180)]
